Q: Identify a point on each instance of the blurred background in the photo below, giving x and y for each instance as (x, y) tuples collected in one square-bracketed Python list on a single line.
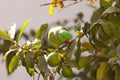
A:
[(18, 11)]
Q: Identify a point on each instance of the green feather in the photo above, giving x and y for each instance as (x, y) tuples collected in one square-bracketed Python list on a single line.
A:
[(58, 35)]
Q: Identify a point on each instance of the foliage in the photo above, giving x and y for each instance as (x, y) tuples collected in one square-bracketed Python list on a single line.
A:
[(95, 59)]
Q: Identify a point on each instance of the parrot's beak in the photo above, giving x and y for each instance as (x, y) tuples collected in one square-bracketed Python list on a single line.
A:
[(67, 41)]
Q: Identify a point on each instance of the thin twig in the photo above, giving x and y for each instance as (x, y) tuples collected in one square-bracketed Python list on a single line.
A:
[(60, 2), (14, 42), (38, 76), (53, 3), (33, 77), (75, 2), (63, 46)]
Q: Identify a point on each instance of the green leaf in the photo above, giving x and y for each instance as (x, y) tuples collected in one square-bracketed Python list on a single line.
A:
[(110, 1), (99, 43), (108, 28), (96, 15), (86, 27), (41, 31), (86, 46), (84, 61), (110, 10), (4, 35), (118, 35), (78, 53), (104, 72), (29, 61), (71, 49), (106, 3), (118, 50), (114, 20), (94, 30), (102, 34), (22, 58), (95, 39), (72, 63), (13, 64), (117, 72), (42, 64), (22, 29)]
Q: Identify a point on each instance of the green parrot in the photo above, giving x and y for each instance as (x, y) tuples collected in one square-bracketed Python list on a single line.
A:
[(58, 35)]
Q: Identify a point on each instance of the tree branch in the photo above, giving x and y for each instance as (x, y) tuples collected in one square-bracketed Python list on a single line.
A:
[(75, 1)]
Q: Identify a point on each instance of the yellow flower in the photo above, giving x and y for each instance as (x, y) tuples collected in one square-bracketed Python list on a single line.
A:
[(60, 3), (52, 5), (91, 2), (55, 3), (51, 9)]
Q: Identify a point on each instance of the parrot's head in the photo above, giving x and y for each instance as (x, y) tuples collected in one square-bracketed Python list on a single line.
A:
[(64, 36), (58, 36)]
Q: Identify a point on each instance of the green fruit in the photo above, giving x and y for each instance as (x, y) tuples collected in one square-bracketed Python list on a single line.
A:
[(58, 36), (67, 71), (53, 59)]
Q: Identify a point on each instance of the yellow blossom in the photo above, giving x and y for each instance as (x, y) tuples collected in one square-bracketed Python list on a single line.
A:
[(51, 9), (55, 3), (91, 2), (60, 3)]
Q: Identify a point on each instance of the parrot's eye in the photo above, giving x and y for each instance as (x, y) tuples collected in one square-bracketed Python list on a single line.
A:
[(67, 41)]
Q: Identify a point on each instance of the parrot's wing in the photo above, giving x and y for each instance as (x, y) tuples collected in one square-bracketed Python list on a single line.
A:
[(53, 40)]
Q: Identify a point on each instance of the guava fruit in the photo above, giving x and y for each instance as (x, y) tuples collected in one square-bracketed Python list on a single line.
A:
[(53, 59)]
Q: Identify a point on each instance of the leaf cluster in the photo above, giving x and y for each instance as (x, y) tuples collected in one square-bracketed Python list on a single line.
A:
[(97, 58)]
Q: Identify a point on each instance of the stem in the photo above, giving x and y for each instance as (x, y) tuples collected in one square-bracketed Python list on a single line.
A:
[(53, 3), (14, 42), (62, 1), (75, 2), (38, 76), (63, 46)]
